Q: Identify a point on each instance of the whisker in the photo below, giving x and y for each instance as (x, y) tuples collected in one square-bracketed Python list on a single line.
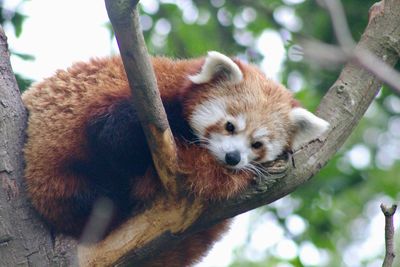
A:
[(251, 169), (198, 140), (260, 167)]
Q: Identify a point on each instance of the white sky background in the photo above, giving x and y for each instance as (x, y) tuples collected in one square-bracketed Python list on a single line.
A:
[(60, 32)]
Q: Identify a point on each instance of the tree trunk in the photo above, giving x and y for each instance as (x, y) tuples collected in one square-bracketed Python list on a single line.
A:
[(24, 239)]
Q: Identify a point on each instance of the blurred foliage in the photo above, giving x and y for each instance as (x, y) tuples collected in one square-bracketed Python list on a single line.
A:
[(16, 19), (339, 205)]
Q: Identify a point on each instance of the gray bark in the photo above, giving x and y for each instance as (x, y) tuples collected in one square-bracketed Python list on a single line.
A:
[(24, 239)]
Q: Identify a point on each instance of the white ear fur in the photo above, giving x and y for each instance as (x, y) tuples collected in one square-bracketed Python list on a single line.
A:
[(308, 127), (216, 64)]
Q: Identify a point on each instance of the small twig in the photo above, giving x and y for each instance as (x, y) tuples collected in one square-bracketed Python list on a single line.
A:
[(389, 233), (322, 53), (361, 56), (331, 54), (339, 23), (347, 51), (367, 60)]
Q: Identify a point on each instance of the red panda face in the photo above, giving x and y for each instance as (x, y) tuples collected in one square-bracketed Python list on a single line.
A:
[(245, 119), (237, 135)]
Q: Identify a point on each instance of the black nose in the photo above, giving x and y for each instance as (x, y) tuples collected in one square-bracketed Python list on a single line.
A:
[(232, 158)]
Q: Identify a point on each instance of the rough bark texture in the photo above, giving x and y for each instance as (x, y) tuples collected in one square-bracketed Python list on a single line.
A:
[(25, 241)]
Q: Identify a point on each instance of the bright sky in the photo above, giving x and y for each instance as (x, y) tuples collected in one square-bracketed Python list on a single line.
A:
[(61, 32)]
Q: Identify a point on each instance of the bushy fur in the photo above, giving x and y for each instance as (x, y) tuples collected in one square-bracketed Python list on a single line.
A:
[(85, 141)]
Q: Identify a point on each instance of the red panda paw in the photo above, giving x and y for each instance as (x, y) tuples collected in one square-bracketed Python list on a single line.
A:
[(209, 179)]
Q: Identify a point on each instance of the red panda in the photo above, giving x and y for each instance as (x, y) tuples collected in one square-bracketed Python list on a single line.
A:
[(84, 139)]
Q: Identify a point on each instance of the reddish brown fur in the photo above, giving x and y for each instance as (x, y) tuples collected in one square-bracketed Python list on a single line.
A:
[(60, 107), (207, 178), (265, 103)]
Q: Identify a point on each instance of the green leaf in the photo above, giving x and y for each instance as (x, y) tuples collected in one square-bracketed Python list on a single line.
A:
[(27, 57), (17, 21)]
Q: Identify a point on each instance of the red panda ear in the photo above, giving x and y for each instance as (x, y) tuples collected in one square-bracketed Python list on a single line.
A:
[(307, 126), (217, 65)]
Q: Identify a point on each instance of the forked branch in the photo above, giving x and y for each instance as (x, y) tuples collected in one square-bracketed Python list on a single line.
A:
[(169, 220), (345, 51)]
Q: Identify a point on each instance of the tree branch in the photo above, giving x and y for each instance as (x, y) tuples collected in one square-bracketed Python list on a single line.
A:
[(389, 233), (124, 17), (169, 220), (24, 240), (346, 52)]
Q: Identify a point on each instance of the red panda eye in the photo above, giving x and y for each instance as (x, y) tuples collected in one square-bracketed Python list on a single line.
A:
[(256, 145), (229, 127)]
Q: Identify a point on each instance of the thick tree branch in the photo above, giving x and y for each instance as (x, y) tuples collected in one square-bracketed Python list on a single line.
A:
[(170, 220), (124, 17)]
